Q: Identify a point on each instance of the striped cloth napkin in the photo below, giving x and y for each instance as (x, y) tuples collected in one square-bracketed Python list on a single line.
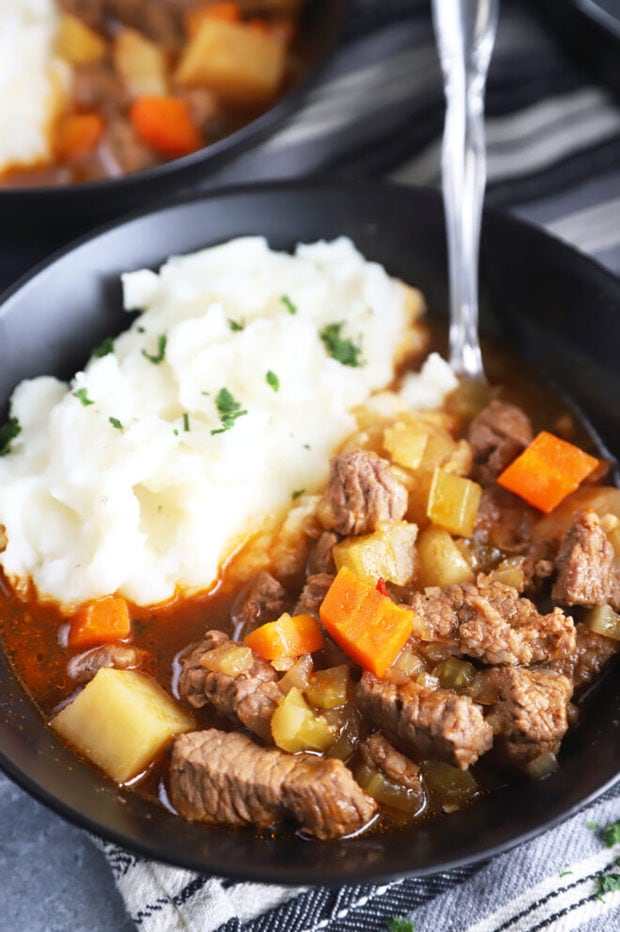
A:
[(554, 158)]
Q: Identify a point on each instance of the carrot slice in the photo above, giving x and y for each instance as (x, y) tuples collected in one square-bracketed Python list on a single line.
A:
[(289, 636), (101, 620), (368, 626), (547, 471), (165, 124), (78, 134)]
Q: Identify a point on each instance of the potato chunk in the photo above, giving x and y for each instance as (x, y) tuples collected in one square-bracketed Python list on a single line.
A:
[(389, 552), (77, 43), (453, 502), (142, 64), (239, 63), (120, 720), (441, 561)]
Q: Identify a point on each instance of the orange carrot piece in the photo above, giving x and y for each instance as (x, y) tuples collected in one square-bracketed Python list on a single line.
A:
[(547, 471), (165, 124), (78, 134), (101, 620), (289, 636), (226, 10), (368, 626)]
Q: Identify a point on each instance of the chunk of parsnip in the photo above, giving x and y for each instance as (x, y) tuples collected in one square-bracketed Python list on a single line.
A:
[(120, 721), (240, 64)]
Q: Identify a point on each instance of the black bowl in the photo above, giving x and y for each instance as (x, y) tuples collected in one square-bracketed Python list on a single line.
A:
[(63, 211), (546, 301)]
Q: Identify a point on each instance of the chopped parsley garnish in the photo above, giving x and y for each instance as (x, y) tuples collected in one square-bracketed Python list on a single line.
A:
[(114, 421), (228, 408), (82, 395), (105, 347), (236, 325), (343, 351), (297, 494), (611, 834), (8, 433), (288, 304), (140, 329), (273, 380), (565, 873), (162, 339), (607, 883), (592, 825), (400, 925), (186, 426)]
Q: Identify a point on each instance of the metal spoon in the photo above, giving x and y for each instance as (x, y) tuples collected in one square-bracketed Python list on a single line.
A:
[(465, 33)]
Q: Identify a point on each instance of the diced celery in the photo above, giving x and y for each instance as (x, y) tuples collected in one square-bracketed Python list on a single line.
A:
[(329, 689), (406, 801), (449, 786), (454, 673), (453, 502)]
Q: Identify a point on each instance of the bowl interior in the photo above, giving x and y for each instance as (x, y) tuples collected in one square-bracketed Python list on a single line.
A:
[(553, 306)]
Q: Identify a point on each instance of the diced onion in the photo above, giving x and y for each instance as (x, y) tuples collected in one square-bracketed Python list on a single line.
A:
[(542, 766), (409, 802), (603, 620)]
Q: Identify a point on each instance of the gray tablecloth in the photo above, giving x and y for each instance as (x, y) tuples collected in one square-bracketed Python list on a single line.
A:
[(553, 140)]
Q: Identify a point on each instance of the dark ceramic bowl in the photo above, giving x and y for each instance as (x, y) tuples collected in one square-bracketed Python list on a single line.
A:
[(549, 303), (66, 210)]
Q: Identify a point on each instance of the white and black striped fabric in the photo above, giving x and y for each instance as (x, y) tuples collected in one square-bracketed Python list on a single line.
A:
[(553, 140)]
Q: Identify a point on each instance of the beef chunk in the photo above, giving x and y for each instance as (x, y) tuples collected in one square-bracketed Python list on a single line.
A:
[(320, 557), (592, 653), (492, 622), (90, 12), (529, 716), (98, 87), (497, 435), (226, 778), (159, 21), (424, 722), (120, 656), (585, 564), (248, 698), (503, 523), (262, 599), (378, 753), (312, 594), (362, 491), (129, 152)]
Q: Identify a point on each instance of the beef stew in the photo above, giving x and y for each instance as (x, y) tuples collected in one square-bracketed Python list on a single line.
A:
[(508, 618)]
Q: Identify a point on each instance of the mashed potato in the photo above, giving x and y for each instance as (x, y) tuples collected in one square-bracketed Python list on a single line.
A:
[(218, 406), (33, 81)]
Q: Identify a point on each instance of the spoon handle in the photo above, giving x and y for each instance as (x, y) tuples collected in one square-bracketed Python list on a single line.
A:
[(465, 32)]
